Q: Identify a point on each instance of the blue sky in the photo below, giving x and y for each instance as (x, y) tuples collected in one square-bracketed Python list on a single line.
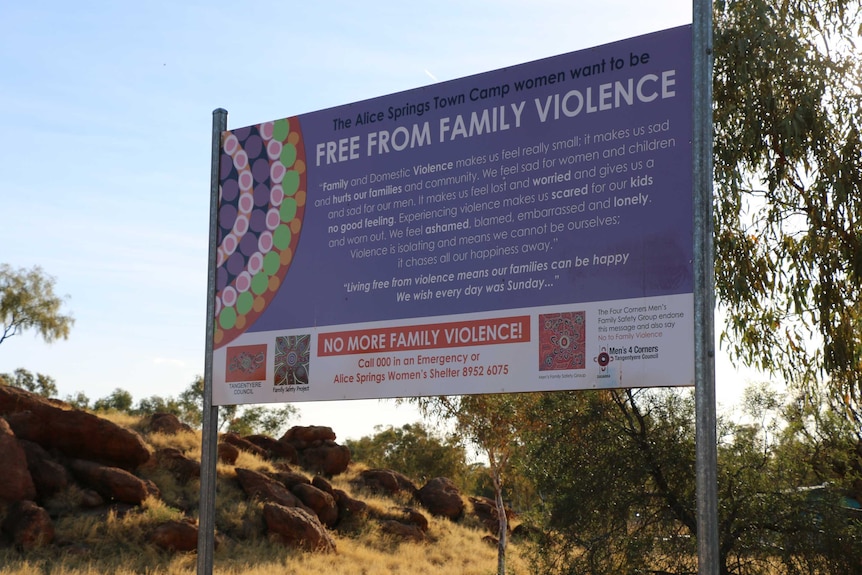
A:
[(105, 117)]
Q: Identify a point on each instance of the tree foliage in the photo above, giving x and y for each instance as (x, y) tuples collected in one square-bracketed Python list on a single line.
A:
[(788, 171), (40, 383), (27, 301), (415, 451), (616, 471)]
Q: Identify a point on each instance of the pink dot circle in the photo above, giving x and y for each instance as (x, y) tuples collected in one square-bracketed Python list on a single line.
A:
[(246, 180), (246, 203), (266, 130), (276, 195), (276, 172), (264, 242), (229, 296), (240, 226), (217, 305), (231, 144), (273, 149), (240, 160), (273, 219), (230, 243), (243, 282), (255, 263)]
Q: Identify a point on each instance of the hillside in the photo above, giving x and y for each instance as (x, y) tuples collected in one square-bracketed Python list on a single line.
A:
[(120, 495)]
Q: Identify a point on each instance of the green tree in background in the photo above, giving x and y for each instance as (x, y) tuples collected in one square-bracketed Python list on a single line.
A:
[(41, 384), (616, 470), (27, 301), (415, 451), (788, 172)]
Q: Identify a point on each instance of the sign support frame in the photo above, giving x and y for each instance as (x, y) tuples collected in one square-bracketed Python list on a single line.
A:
[(209, 430), (706, 456)]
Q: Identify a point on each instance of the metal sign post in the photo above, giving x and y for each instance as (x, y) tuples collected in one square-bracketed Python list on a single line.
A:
[(209, 444), (704, 293)]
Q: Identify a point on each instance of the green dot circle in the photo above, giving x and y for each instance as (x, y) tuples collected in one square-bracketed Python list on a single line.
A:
[(288, 155), (280, 129), (281, 237), (290, 183), (287, 211), (227, 318), (271, 263), (244, 303), (259, 283)]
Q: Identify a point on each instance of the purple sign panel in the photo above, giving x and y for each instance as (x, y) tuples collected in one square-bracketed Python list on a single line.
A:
[(559, 188)]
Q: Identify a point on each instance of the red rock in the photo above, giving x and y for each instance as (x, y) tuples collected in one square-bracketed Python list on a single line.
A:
[(176, 536), (28, 525), (49, 476), (227, 453), (112, 483), (296, 527), (275, 449), (16, 483), (167, 423), (441, 497), (386, 481), (257, 485), (244, 445), (402, 530), (322, 503), (73, 432)]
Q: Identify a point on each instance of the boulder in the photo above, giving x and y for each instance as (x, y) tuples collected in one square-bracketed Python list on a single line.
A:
[(16, 483), (167, 423), (348, 507), (411, 516), (112, 483), (322, 484), (244, 445), (302, 437), (297, 528), (385, 481), (289, 478), (322, 503), (49, 476), (227, 453), (72, 432), (486, 510), (441, 497), (28, 525), (183, 468), (275, 449), (176, 536), (328, 459), (259, 486)]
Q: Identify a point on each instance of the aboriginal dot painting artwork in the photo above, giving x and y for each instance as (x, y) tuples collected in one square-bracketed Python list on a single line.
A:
[(246, 363), (261, 206), (561, 341), (292, 355)]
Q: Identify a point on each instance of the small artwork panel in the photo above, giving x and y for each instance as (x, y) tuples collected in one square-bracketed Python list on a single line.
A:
[(246, 363), (562, 341), (292, 356)]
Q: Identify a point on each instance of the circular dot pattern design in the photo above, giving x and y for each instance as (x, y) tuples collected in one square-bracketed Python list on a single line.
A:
[(262, 196)]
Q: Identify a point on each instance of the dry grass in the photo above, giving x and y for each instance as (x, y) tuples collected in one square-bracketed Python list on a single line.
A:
[(116, 542)]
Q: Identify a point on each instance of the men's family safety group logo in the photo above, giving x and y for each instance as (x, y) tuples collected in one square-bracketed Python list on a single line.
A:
[(562, 341)]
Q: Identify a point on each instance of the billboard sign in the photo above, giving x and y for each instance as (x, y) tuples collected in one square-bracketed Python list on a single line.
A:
[(524, 229)]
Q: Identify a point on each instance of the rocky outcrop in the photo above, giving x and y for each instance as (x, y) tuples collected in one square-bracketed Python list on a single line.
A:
[(112, 483), (317, 450), (259, 486), (16, 483), (385, 481), (274, 448), (441, 497), (298, 528), (72, 432), (168, 423), (27, 525), (485, 510), (322, 503), (183, 468), (176, 536)]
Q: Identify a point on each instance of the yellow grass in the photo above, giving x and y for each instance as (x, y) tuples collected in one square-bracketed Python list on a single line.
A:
[(117, 543)]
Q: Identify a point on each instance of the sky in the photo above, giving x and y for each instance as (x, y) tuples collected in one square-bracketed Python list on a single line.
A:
[(106, 118)]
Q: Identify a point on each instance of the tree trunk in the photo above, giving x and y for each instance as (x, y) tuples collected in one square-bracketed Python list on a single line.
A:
[(503, 523)]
